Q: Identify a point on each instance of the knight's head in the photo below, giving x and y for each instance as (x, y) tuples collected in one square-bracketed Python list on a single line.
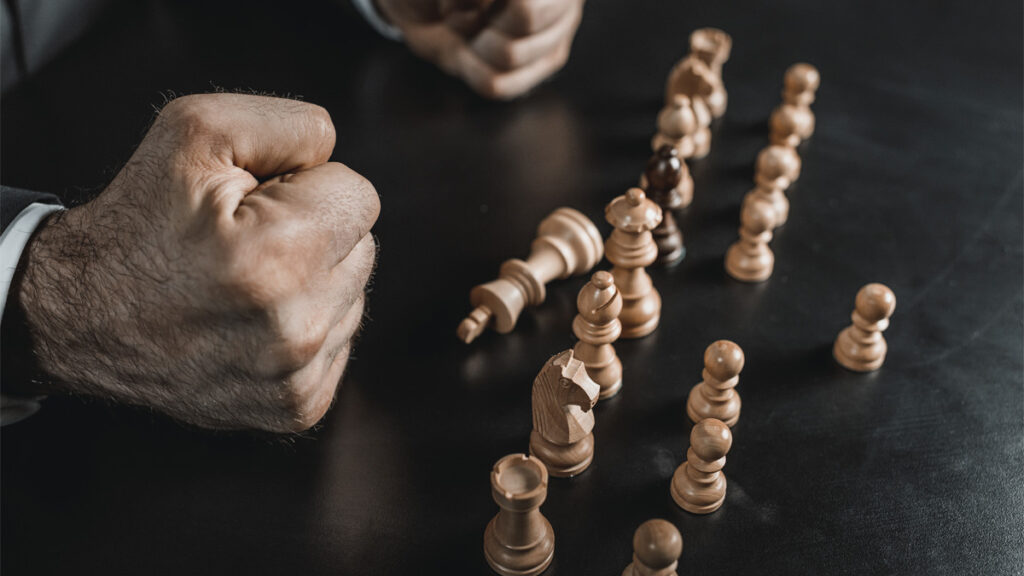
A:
[(575, 388)]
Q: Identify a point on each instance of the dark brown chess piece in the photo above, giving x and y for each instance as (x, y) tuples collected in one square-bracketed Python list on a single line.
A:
[(597, 326), (657, 546), (669, 185), (698, 485), (861, 347), (519, 541), (630, 248)]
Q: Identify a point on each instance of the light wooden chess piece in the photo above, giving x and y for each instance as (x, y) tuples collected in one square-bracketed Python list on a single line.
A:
[(750, 259), (567, 244), (715, 396), (669, 185), (861, 347), (657, 545), (631, 248), (519, 540), (800, 86), (786, 124), (698, 485), (777, 168), (692, 78), (677, 126), (597, 326), (563, 422), (713, 47)]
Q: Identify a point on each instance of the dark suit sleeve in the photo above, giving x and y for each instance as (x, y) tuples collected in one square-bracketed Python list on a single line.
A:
[(14, 200)]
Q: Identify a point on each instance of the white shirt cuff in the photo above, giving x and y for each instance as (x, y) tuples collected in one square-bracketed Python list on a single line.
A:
[(382, 26), (12, 244)]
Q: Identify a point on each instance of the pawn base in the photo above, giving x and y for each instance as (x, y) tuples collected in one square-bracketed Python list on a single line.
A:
[(680, 478), (852, 363), (609, 391)]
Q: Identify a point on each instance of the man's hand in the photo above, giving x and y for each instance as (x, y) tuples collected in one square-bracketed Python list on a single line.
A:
[(501, 48), (219, 278)]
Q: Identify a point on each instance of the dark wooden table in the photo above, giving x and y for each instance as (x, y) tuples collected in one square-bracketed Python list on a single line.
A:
[(913, 178)]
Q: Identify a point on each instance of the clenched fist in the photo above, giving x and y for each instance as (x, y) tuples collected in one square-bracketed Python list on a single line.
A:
[(220, 277), (501, 48)]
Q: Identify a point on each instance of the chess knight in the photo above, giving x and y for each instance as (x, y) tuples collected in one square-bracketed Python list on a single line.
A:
[(563, 423)]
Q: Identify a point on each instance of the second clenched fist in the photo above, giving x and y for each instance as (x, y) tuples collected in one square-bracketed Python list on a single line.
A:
[(219, 278), (501, 48)]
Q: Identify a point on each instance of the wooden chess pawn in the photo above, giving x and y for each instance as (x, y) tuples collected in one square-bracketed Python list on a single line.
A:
[(563, 422), (787, 123), (567, 244), (800, 85), (750, 259), (692, 78), (677, 126), (861, 347), (777, 167), (713, 47), (597, 326), (670, 186), (657, 545), (715, 396), (698, 485), (519, 540), (631, 248)]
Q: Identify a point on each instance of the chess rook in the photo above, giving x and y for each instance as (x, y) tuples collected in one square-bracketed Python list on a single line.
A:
[(670, 186), (519, 540), (597, 326), (698, 485), (677, 127), (631, 248), (716, 397), (777, 167), (713, 46), (657, 545), (861, 347), (567, 244), (750, 259), (563, 422)]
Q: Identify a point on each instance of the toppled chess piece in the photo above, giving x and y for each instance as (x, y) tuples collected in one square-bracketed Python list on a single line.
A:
[(563, 422), (861, 347), (750, 259), (567, 244), (597, 326), (519, 540), (698, 485), (657, 546), (631, 248), (715, 396)]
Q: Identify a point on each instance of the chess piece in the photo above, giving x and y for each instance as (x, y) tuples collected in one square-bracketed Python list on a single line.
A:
[(670, 186), (698, 485), (800, 85), (787, 123), (750, 259), (597, 326), (657, 546), (519, 540), (631, 248), (567, 244), (715, 396), (563, 423), (677, 126), (861, 347), (692, 78), (777, 168), (713, 46)]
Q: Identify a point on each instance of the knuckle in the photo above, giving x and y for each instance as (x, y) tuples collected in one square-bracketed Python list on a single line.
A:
[(320, 125), (192, 115)]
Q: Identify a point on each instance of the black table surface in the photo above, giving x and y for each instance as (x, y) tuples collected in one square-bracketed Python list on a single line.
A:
[(913, 178)]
